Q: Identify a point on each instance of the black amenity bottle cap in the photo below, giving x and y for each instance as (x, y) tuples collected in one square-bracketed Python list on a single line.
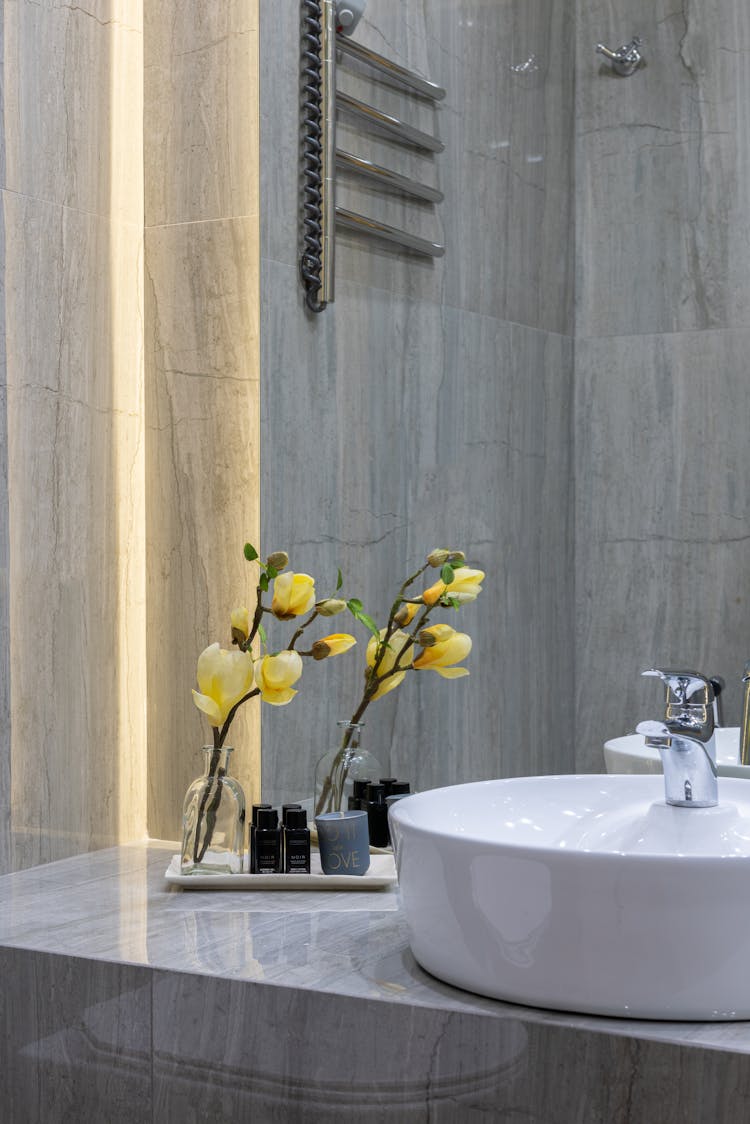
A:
[(359, 789), (400, 788), (376, 793), (256, 809), (296, 818), (268, 818), (286, 808)]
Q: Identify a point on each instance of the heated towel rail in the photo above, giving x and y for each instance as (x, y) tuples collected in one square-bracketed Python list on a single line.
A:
[(320, 157)]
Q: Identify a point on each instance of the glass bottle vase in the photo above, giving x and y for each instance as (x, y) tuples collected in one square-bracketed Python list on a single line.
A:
[(337, 770), (213, 819)]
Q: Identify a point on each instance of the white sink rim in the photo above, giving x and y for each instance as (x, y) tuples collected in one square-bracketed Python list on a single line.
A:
[(630, 754)]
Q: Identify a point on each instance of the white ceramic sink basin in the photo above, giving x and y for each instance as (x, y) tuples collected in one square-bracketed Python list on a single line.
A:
[(581, 893), (630, 754)]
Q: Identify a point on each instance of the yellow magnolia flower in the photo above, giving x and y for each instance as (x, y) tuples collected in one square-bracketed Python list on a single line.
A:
[(466, 586), (395, 644), (443, 646), (293, 595), (332, 645), (223, 678), (275, 675), (240, 624)]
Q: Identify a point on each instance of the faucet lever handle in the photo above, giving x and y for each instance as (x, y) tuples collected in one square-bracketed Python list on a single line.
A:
[(683, 686), (689, 704)]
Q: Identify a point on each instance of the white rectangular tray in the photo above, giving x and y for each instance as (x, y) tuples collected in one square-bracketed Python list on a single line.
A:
[(382, 873)]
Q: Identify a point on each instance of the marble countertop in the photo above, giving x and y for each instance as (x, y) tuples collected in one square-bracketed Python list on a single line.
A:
[(114, 905)]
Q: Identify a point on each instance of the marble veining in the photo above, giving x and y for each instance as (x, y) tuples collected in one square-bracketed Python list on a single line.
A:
[(662, 163), (662, 522), (188, 1004), (374, 399), (201, 307)]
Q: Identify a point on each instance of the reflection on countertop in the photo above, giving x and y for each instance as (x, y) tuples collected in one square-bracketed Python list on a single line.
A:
[(115, 905)]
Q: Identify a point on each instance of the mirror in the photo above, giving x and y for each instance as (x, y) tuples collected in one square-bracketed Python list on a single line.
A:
[(563, 395)]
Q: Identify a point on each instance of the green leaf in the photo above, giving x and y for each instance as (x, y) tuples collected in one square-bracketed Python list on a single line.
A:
[(263, 583), (250, 552), (339, 581), (272, 571), (368, 622), (355, 605), (262, 634), (452, 601), (446, 573)]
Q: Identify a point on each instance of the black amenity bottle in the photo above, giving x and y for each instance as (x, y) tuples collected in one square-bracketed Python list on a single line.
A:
[(377, 816), (296, 842), (253, 825), (268, 842)]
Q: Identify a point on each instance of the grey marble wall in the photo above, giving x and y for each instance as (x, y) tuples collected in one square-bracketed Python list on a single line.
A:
[(662, 286), (430, 404)]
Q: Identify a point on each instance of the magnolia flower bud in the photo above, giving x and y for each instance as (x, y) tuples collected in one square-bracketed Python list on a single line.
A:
[(405, 614), (278, 560), (438, 558), (426, 639), (240, 625), (332, 645), (330, 606)]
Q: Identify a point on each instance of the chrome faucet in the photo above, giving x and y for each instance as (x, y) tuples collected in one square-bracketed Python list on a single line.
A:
[(625, 60), (685, 739)]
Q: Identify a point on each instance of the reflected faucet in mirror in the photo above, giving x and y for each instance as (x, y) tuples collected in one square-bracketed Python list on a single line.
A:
[(626, 59), (744, 757)]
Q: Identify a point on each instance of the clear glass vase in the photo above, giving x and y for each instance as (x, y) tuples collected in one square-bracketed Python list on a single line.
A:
[(338, 769), (213, 819)]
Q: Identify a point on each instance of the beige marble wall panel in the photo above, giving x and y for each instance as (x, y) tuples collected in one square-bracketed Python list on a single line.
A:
[(506, 171), (201, 80), (75, 488), (413, 426), (663, 170), (662, 522), (73, 96), (202, 461), (5, 716)]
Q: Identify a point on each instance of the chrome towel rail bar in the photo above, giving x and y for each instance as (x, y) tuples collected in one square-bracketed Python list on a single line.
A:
[(358, 166), (398, 74), (350, 220), (394, 127)]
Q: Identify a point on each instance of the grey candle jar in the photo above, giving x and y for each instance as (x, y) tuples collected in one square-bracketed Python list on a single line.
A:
[(344, 842)]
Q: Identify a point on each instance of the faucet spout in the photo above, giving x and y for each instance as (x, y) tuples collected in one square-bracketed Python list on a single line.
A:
[(602, 50)]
